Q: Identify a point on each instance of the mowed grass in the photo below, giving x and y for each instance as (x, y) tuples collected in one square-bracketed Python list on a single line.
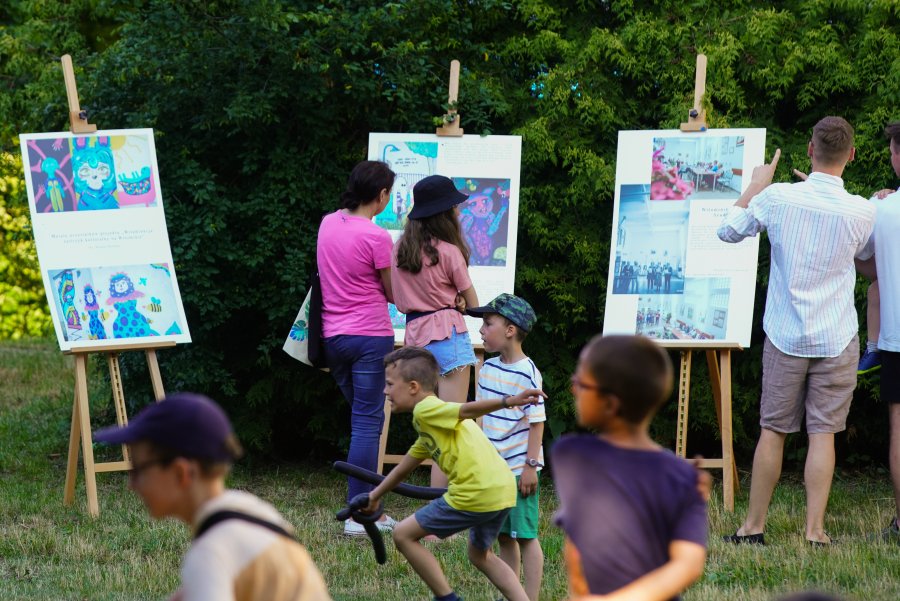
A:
[(48, 551)]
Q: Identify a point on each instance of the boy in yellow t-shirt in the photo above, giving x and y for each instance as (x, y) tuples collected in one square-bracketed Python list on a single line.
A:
[(481, 489)]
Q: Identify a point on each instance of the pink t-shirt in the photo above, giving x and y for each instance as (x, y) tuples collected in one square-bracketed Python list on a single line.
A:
[(435, 287), (350, 251)]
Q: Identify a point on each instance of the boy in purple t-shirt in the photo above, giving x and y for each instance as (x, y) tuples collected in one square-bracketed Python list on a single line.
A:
[(633, 513)]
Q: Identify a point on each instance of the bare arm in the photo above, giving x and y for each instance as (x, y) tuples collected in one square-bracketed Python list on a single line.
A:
[(386, 283), (759, 181), (685, 566), (867, 268), (528, 480), (483, 407), (469, 296), (397, 475), (578, 587)]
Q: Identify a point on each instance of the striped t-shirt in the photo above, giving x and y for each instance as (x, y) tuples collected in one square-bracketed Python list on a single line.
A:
[(507, 429), (816, 228)]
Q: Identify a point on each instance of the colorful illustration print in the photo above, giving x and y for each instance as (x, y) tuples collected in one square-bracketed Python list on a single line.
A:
[(94, 314), (95, 174), (131, 301), (89, 173), (411, 161), (51, 175), (484, 218), (129, 323)]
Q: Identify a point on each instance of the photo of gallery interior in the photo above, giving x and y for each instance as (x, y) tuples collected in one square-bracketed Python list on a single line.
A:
[(697, 167), (701, 313), (651, 241)]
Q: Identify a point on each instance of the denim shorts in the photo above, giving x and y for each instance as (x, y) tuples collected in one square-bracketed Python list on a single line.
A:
[(452, 353), (441, 520)]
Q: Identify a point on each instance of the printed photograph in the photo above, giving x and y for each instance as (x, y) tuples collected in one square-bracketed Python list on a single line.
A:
[(697, 167), (484, 218), (91, 173), (651, 243), (700, 313), (411, 161), (102, 303)]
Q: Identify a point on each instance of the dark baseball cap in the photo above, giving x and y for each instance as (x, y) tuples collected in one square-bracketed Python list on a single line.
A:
[(191, 425), (434, 194), (512, 307)]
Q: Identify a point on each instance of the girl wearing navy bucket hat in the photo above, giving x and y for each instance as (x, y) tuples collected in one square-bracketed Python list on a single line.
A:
[(431, 285)]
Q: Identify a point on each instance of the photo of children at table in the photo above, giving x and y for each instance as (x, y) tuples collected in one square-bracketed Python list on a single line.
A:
[(696, 167), (698, 314)]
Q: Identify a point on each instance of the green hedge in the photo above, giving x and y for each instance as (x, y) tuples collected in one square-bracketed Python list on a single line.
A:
[(261, 107)]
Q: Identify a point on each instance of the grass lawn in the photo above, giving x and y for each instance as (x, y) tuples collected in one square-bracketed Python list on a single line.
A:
[(48, 551)]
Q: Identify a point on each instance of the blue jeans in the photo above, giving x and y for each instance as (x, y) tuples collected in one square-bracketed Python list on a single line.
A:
[(357, 364)]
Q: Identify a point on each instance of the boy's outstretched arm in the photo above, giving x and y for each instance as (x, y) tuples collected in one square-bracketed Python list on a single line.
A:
[(483, 407), (685, 566), (397, 475)]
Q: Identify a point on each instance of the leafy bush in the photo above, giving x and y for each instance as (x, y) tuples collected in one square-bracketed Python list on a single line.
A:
[(261, 107)]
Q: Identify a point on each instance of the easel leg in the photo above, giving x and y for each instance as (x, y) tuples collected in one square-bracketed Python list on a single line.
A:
[(729, 469), (118, 394), (720, 382), (72, 465), (155, 378), (382, 445), (84, 420), (684, 394)]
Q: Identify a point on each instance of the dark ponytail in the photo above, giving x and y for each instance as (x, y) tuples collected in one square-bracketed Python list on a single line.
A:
[(366, 181)]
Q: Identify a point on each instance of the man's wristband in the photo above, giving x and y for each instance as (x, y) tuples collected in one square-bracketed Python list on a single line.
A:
[(503, 402)]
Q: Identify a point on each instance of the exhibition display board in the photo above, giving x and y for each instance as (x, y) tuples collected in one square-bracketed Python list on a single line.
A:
[(486, 168), (670, 277), (101, 238)]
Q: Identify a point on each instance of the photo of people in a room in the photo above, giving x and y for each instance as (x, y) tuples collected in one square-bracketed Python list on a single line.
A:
[(651, 242), (701, 313), (697, 167)]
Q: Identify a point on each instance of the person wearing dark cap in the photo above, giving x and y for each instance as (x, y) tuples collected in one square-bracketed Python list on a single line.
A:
[(516, 432), (431, 283), (181, 450)]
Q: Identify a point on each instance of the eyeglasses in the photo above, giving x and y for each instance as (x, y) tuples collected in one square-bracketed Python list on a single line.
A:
[(582, 385), (135, 472), (579, 384)]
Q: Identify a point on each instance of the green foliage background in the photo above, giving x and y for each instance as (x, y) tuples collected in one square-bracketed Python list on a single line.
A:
[(261, 107)]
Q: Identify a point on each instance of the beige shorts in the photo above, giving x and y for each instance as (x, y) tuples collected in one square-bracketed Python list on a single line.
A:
[(822, 387)]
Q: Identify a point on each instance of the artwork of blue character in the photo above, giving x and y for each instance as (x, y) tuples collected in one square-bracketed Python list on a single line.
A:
[(54, 189), (66, 293), (95, 175), (129, 322), (98, 332), (480, 222)]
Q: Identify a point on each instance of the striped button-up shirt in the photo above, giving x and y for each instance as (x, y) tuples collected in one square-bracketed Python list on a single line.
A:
[(816, 228)]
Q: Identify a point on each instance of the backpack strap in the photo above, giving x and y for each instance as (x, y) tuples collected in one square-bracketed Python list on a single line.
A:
[(221, 516)]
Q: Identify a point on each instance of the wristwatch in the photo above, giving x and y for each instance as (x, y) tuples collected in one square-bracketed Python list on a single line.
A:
[(533, 462)]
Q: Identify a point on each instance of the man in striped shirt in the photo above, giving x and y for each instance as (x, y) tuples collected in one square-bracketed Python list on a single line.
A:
[(815, 228)]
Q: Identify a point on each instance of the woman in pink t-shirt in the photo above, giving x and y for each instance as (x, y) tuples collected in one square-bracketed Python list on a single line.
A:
[(430, 279), (354, 260)]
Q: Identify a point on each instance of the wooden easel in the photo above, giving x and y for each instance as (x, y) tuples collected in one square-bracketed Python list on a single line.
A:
[(80, 430), (451, 128), (81, 415), (718, 353), (718, 359)]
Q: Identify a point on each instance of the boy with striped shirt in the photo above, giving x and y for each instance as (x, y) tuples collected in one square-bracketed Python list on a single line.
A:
[(515, 432)]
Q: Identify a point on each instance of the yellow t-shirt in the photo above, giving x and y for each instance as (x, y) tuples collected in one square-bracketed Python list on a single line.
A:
[(479, 478)]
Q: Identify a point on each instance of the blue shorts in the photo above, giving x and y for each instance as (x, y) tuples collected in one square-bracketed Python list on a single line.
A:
[(452, 353), (441, 520)]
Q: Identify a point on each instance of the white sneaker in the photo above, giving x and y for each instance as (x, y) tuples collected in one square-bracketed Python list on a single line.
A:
[(352, 528), (387, 524)]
